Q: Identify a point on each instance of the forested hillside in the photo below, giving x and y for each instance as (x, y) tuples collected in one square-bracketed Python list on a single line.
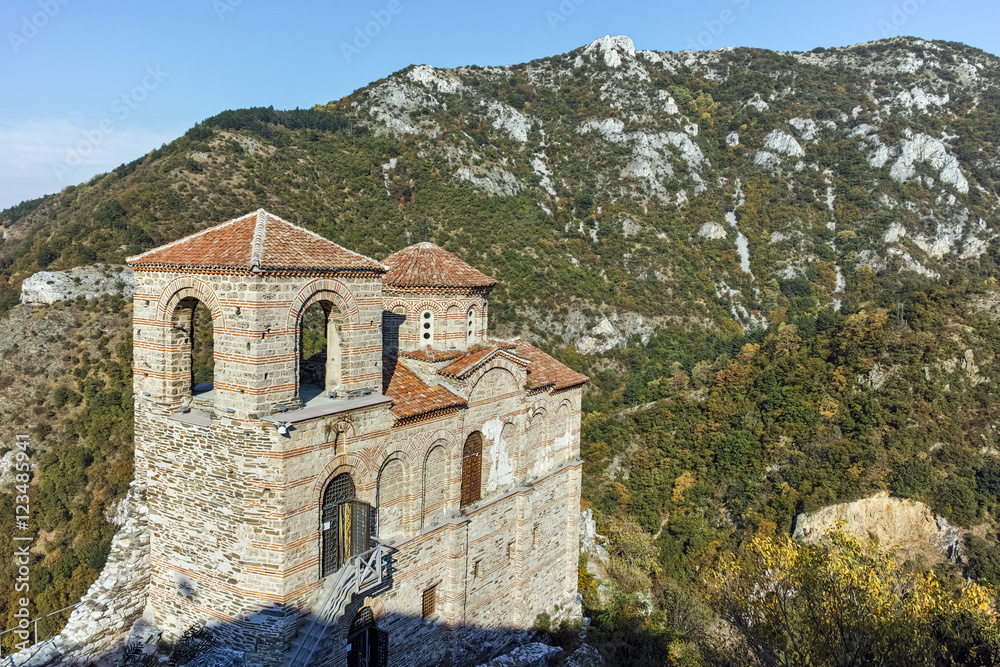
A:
[(779, 270)]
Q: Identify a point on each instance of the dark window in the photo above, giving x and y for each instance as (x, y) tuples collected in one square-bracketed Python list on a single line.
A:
[(369, 646), (472, 469), (345, 524), (430, 601)]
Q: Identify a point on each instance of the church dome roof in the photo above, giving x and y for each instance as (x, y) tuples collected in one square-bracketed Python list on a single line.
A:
[(427, 265)]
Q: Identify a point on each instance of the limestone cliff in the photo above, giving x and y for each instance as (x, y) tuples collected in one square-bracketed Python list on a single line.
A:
[(90, 282), (907, 526)]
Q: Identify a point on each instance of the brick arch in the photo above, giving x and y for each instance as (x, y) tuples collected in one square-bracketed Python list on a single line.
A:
[(349, 463), (390, 305), (495, 364), (189, 287), (394, 495), (440, 437), (474, 304), (435, 307), (323, 289)]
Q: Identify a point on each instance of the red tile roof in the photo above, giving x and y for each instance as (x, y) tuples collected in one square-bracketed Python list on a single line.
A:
[(431, 355), (256, 240), (411, 396), (474, 357), (544, 370), (427, 265)]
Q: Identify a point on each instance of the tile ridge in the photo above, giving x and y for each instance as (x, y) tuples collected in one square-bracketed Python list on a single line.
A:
[(129, 260), (257, 242)]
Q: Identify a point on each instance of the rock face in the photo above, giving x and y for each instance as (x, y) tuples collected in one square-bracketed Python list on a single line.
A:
[(528, 655), (907, 526), (112, 605), (90, 282)]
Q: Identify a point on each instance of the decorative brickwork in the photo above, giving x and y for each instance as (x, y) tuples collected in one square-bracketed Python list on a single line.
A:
[(238, 529)]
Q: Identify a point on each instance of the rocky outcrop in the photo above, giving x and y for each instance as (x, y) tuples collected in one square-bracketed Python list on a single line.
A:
[(90, 282), (907, 526), (529, 655), (114, 603)]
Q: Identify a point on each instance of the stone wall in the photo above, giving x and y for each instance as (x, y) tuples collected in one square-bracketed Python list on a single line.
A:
[(113, 603)]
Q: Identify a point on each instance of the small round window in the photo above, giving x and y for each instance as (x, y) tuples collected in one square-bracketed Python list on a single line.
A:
[(428, 320)]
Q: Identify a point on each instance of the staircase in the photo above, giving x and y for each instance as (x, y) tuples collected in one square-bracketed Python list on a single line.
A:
[(360, 573)]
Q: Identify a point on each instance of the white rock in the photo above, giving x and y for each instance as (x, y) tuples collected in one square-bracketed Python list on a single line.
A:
[(90, 282), (806, 127), (917, 98), (509, 119), (435, 79), (757, 103), (784, 143), (712, 230), (733, 139), (894, 233), (494, 180), (613, 49), (542, 170), (928, 149)]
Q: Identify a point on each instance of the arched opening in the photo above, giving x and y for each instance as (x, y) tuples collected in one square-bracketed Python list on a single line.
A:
[(538, 443), (470, 326), (427, 328), (472, 469), (392, 322), (345, 524), (193, 344), (369, 645), (561, 436), (320, 353), (435, 486), (393, 514)]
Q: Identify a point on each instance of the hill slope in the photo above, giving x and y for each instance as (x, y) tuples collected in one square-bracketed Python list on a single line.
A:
[(779, 268)]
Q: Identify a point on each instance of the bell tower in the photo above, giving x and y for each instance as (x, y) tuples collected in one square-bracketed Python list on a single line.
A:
[(212, 454)]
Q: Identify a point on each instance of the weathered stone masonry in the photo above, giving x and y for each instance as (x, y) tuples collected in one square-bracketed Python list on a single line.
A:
[(235, 478)]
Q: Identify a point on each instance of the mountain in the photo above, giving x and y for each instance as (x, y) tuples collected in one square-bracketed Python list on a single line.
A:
[(616, 189), (779, 270)]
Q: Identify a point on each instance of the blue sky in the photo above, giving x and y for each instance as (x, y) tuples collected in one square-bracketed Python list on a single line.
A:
[(85, 86)]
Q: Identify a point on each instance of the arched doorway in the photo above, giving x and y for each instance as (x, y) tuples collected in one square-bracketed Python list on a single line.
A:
[(345, 524), (368, 646)]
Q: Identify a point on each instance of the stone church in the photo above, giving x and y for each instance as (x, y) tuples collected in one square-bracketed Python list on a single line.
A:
[(408, 492)]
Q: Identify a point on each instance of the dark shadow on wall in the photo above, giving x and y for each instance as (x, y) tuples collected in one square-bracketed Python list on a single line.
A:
[(359, 638), (360, 635)]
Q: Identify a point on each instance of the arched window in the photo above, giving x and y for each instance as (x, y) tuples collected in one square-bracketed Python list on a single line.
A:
[(320, 353), (193, 339), (369, 644), (470, 325), (472, 469), (435, 486), (427, 328), (345, 524)]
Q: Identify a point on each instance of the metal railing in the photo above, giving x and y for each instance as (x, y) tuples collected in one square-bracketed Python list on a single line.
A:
[(359, 574), (7, 660)]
